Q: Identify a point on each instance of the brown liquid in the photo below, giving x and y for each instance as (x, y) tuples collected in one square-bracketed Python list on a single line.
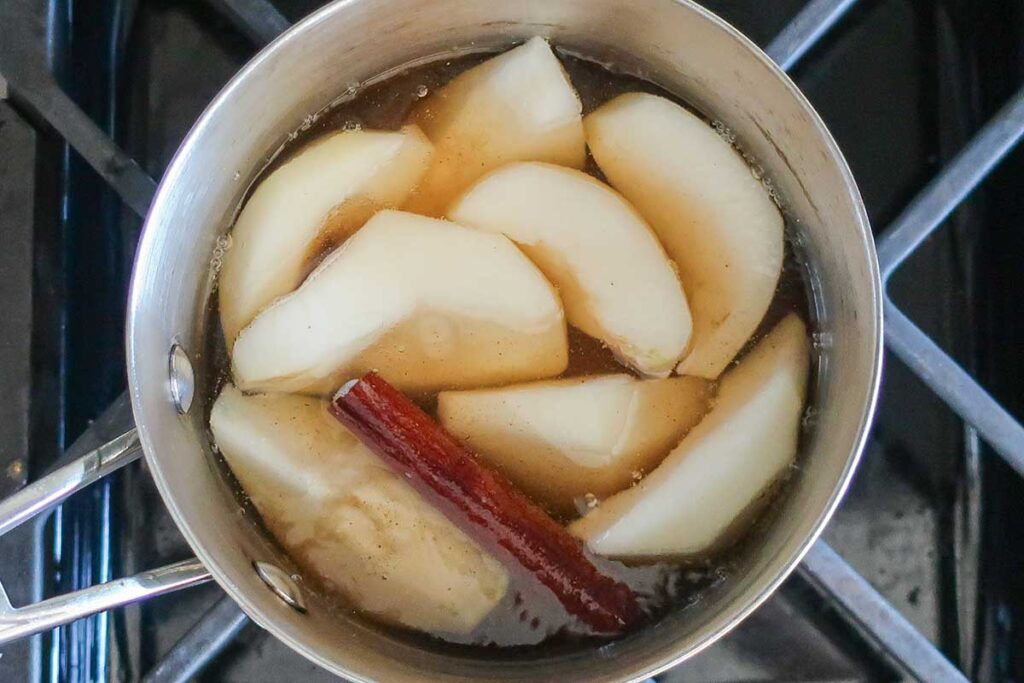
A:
[(528, 618)]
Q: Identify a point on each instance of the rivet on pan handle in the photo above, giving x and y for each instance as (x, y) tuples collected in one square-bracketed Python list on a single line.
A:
[(47, 492)]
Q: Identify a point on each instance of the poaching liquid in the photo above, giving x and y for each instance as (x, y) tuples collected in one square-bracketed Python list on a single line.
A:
[(528, 617)]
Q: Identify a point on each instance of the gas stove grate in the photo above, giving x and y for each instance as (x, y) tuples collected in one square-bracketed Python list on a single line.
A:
[(31, 86)]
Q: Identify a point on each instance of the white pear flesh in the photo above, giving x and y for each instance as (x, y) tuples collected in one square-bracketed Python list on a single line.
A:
[(721, 468), (716, 221), (342, 515), (559, 440), (615, 280), (427, 303), (319, 197), (518, 106)]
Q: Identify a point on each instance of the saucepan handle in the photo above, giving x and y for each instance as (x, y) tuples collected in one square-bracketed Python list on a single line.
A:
[(50, 490)]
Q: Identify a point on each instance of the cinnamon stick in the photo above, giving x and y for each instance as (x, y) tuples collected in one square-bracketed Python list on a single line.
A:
[(416, 446)]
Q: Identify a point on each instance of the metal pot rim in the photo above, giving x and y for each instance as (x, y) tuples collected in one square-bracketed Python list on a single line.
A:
[(146, 260)]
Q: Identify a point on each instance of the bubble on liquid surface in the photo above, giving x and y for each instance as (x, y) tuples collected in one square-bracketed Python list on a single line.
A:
[(351, 126), (724, 132), (821, 341), (421, 91), (773, 194), (220, 248), (585, 503), (810, 418)]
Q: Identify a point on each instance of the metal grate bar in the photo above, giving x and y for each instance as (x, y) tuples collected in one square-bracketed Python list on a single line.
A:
[(922, 217), (875, 617), (31, 86), (954, 386), (44, 98), (934, 204), (805, 30), (212, 633), (259, 20)]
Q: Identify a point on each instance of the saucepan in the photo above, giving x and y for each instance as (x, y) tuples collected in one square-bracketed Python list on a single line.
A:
[(674, 43)]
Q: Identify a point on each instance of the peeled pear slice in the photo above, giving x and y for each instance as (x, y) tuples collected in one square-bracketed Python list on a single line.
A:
[(559, 440), (721, 468), (427, 303), (615, 280), (349, 520), (518, 106), (714, 218), (316, 199)]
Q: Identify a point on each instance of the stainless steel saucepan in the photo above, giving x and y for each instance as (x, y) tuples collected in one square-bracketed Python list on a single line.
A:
[(671, 42)]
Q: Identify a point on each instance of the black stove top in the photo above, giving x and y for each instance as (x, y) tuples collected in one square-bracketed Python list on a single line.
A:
[(933, 521)]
